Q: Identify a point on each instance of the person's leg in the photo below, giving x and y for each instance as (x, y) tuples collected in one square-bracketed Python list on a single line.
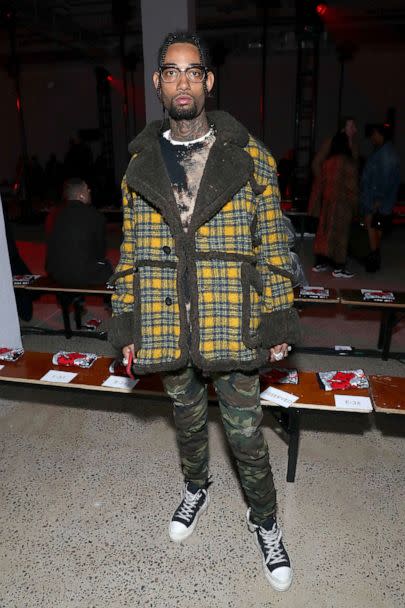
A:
[(189, 396), (373, 260), (321, 263), (239, 402), (374, 235), (188, 392)]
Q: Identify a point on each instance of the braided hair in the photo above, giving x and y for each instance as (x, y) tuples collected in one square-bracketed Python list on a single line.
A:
[(184, 38)]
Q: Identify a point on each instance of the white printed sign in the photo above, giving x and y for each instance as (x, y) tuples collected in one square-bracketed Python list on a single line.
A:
[(278, 397), (120, 382), (342, 347), (56, 376), (1, 366), (351, 402)]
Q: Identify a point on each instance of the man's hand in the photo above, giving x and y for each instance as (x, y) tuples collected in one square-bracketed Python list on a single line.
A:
[(279, 352), (126, 350)]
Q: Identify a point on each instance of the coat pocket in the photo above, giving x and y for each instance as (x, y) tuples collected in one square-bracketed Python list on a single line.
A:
[(157, 318), (252, 289)]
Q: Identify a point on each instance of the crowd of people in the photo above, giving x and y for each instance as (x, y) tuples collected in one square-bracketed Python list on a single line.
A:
[(339, 195), (44, 183)]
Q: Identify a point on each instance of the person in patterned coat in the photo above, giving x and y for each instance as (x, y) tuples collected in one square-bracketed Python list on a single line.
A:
[(334, 200), (203, 284)]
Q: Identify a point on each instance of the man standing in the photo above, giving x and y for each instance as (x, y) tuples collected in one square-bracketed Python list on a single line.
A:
[(77, 241), (379, 190), (203, 284)]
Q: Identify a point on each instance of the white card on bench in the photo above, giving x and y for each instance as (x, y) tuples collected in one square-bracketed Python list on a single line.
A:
[(120, 382), (353, 403), (278, 397), (55, 375)]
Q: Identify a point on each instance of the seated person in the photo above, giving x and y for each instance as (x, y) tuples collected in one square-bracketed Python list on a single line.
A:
[(23, 298), (77, 242)]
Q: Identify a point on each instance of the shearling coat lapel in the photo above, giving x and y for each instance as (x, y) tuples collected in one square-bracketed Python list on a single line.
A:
[(147, 176), (227, 170)]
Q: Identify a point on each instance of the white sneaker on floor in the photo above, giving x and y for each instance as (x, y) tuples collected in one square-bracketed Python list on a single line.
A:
[(276, 563), (341, 273), (195, 502), (320, 268)]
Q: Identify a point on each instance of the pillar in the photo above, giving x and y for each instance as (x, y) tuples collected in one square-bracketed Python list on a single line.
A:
[(159, 17)]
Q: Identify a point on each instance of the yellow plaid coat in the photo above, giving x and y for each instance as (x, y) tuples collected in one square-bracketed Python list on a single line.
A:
[(232, 265)]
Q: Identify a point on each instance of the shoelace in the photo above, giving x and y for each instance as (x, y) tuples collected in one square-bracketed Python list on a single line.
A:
[(188, 505), (272, 544)]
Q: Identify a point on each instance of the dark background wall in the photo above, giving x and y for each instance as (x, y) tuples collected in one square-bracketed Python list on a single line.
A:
[(60, 98)]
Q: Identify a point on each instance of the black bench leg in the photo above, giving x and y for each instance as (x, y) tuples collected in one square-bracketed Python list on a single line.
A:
[(294, 436), (66, 320), (383, 328), (386, 342), (77, 307)]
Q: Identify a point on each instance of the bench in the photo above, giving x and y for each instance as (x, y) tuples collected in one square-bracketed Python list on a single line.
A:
[(45, 284), (389, 314), (32, 366), (346, 297), (388, 394)]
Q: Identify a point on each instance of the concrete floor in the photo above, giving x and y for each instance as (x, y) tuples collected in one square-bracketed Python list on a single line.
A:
[(89, 483)]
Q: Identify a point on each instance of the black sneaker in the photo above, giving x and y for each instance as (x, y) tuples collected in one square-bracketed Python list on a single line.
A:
[(195, 502), (276, 563)]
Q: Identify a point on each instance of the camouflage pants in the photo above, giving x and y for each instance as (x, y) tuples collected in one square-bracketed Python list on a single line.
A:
[(239, 402)]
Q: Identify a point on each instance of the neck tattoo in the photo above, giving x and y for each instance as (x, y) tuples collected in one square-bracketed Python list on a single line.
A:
[(187, 130)]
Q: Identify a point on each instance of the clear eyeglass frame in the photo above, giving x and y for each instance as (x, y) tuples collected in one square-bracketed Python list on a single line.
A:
[(195, 73)]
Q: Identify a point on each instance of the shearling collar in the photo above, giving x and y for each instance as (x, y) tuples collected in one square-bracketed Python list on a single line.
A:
[(229, 167), (227, 129)]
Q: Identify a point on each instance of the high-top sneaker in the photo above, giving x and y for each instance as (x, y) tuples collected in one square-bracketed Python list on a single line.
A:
[(276, 563), (195, 502)]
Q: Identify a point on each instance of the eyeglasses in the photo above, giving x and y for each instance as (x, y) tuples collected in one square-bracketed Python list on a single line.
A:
[(194, 73)]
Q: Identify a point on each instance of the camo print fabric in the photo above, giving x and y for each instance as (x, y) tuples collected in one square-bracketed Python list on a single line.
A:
[(241, 412)]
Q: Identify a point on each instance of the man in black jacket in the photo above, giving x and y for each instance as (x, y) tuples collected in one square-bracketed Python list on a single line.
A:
[(77, 244)]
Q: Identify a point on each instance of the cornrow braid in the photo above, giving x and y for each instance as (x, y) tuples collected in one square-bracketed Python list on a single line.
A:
[(183, 38)]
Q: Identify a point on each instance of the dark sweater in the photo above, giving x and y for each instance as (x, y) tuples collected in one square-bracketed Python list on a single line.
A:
[(77, 245)]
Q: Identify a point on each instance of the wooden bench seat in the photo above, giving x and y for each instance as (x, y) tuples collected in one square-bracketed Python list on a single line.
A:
[(45, 284), (389, 312), (388, 394), (32, 366), (345, 297)]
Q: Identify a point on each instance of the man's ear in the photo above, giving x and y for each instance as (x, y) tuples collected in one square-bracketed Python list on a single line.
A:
[(209, 81), (156, 83)]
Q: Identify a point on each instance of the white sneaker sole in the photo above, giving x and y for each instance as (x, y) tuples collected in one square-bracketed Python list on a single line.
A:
[(178, 537), (277, 586)]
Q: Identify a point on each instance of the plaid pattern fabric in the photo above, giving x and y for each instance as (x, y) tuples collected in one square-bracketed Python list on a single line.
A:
[(219, 282), (277, 294), (123, 298), (159, 314), (220, 310)]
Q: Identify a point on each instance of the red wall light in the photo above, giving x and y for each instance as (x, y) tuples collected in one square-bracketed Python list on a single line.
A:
[(321, 9), (109, 78)]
